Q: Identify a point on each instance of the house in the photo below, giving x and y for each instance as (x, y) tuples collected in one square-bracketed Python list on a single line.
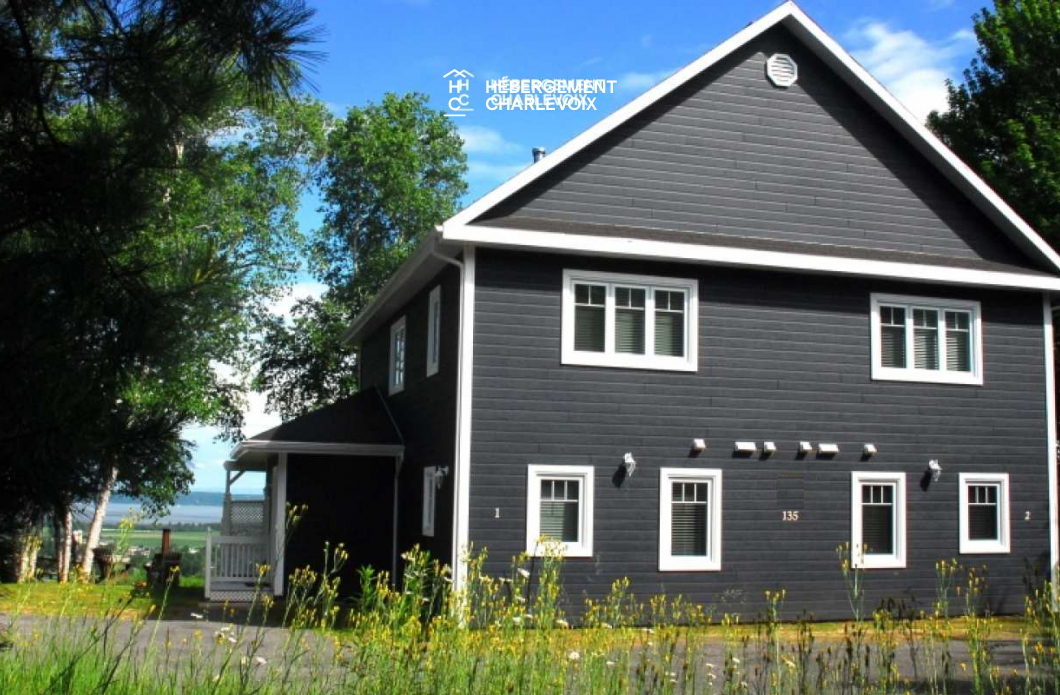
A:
[(756, 314)]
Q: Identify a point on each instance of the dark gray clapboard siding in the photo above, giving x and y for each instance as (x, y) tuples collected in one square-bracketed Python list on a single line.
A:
[(425, 410), (728, 153), (782, 357)]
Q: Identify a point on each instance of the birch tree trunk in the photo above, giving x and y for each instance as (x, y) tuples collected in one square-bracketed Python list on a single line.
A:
[(96, 527), (66, 539)]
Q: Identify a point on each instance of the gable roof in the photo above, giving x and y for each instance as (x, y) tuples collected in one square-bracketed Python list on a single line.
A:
[(795, 20)]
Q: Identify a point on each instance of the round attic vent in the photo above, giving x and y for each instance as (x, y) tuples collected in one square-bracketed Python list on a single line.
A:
[(782, 70)]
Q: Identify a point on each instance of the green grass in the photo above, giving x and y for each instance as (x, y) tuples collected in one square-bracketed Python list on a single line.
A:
[(96, 600), (152, 538)]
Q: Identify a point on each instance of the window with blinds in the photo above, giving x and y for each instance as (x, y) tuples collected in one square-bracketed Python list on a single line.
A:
[(877, 519), (559, 510), (629, 321), (984, 513), (920, 339), (397, 355), (878, 539), (689, 519), (434, 330)]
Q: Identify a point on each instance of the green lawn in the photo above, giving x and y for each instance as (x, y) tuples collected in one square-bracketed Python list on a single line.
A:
[(152, 538)]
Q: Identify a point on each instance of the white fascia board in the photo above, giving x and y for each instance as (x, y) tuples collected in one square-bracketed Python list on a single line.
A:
[(985, 198), (324, 448), (619, 247)]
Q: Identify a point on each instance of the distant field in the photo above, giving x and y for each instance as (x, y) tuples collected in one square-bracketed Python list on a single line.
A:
[(152, 538)]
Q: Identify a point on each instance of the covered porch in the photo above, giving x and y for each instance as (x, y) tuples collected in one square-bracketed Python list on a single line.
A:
[(342, 461)]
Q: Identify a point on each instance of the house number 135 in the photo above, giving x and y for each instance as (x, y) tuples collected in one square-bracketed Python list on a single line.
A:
[(790, 515)]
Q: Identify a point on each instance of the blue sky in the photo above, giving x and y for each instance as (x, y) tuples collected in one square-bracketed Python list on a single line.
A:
[(374, 47)]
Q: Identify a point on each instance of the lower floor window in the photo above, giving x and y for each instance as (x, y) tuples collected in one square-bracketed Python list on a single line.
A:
[(878, 520), (559, 509), (689, 519), (984, 514)]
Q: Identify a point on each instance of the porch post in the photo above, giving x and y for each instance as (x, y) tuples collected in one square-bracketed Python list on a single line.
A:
[(279, 522)]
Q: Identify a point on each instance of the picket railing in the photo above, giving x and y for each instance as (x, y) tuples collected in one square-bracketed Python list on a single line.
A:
[(234, 559)]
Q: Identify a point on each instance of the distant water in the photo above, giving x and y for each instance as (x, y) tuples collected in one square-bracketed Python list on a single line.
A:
[(178, 514)]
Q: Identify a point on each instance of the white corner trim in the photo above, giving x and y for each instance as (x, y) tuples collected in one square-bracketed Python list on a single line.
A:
[(930, 376), (584, 475), (979, 547), (462, 467), (609, 358), (669, 562), (851, 72), (279, 529), (434, 310), (896, 560), (619, 247), (1050, 429), (392, 385)]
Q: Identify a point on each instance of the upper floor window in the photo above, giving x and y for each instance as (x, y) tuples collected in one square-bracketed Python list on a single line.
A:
[(922, 339), (434, 326), (397, 355), (631, 321)]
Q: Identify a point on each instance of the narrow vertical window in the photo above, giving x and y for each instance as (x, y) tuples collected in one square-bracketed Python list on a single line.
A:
[(958, 341), (926, 338), (669, 323), (629, 320), (434, 330), (878, 520), (430, 497), (689, 519), (984, 513), (559, 510), (397, 355), (590, 311), (892, 336)]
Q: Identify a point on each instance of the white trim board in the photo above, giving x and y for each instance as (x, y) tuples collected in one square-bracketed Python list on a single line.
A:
[(322, 448), (462, 469), (1051, 452), (619, 247), (848, 69)]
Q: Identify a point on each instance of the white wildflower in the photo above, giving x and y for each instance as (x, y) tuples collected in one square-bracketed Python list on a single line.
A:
[(573, 655), (562, 623), (260, 661), (610, 664), (525, 572), (232, 640)]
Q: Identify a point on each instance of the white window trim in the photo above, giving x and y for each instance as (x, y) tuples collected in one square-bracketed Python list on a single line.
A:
[(649, 360), (972, 547), (669, 563), (896, 560), (434, 309), (430, 500), (584, 474), (911, 373), (395, 328)]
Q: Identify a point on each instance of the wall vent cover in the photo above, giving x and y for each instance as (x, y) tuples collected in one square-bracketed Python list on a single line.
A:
[(782, 70)]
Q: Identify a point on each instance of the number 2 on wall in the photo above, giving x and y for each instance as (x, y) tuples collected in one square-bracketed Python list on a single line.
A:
[(790, 515)]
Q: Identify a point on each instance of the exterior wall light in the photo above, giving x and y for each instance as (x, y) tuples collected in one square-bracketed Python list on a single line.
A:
[(440, 474), (630, 463), (935, 469)]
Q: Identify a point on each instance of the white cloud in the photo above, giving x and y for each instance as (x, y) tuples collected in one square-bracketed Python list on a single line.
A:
[(912, 68), (482, 140), (641, 81), (296, 293), (478, 170)]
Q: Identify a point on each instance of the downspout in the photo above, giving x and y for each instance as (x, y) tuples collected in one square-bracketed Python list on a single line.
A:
[(458, 471)]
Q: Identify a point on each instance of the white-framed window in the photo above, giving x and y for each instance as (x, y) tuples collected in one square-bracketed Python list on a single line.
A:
[(630, 321), (984, 513), (689, 519), (559, 509), (398, 343), (430, 496), (926, 339), (434, 330), (878, 520)]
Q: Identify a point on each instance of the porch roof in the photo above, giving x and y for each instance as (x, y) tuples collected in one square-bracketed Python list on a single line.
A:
[(360, 425)]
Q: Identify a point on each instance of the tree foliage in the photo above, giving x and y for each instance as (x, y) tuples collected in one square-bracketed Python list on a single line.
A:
[(393, 171), (150, 166), (1004, 120)]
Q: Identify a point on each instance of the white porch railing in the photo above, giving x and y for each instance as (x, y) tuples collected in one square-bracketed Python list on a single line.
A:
[(235, 561)]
